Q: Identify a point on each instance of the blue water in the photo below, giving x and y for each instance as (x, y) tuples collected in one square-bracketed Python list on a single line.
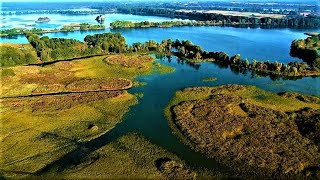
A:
[(148, 118), (58, 20), (262, 44)]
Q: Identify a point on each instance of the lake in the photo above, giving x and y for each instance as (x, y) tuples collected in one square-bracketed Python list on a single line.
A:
[(262, 44), (58, 20)]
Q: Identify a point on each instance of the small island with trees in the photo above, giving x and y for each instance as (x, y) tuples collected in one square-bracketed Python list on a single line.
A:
[(42, 20)]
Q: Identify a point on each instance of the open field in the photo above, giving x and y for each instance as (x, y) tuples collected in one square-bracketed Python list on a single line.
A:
[(236, 13), (257, 133)]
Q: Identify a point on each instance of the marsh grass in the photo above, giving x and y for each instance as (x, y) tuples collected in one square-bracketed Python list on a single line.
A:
[(23, 141), (61, 75), (223, 122), (37, 131), (131, 156), (163, 69)]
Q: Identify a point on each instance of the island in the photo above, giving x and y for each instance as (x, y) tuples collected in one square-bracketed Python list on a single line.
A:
[(66, 28), (256, 133), (100, 18), (42, 19)]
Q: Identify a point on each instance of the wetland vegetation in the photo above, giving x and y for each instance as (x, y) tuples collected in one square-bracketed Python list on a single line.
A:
[(257, 133), (40, 108)]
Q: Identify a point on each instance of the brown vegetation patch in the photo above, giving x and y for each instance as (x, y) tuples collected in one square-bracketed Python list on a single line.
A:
[(257, 141), (60, 102), (308, 121), (45, 78), (99, 84), (128, 61)]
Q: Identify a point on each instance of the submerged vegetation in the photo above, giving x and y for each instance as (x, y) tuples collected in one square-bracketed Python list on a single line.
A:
[(257, 133)]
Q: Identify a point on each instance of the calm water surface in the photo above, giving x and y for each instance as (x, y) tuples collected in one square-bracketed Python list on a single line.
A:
[(58, 20), (148, 118)]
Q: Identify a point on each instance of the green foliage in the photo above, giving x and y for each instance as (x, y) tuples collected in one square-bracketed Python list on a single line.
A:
[(11, 56), (307, 50), (59, 48), (86, 26), (16, 31), (107, 42)]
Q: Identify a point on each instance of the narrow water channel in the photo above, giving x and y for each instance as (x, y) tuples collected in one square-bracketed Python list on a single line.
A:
[(147, 117)]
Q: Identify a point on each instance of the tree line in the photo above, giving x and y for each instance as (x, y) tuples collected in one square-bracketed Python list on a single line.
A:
[(60, 49), (146, 24), (294, 21)]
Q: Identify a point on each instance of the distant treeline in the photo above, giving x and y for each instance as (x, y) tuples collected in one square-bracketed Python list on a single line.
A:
[(194, 53), (146, 24), (295, 21), (55, 49)]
